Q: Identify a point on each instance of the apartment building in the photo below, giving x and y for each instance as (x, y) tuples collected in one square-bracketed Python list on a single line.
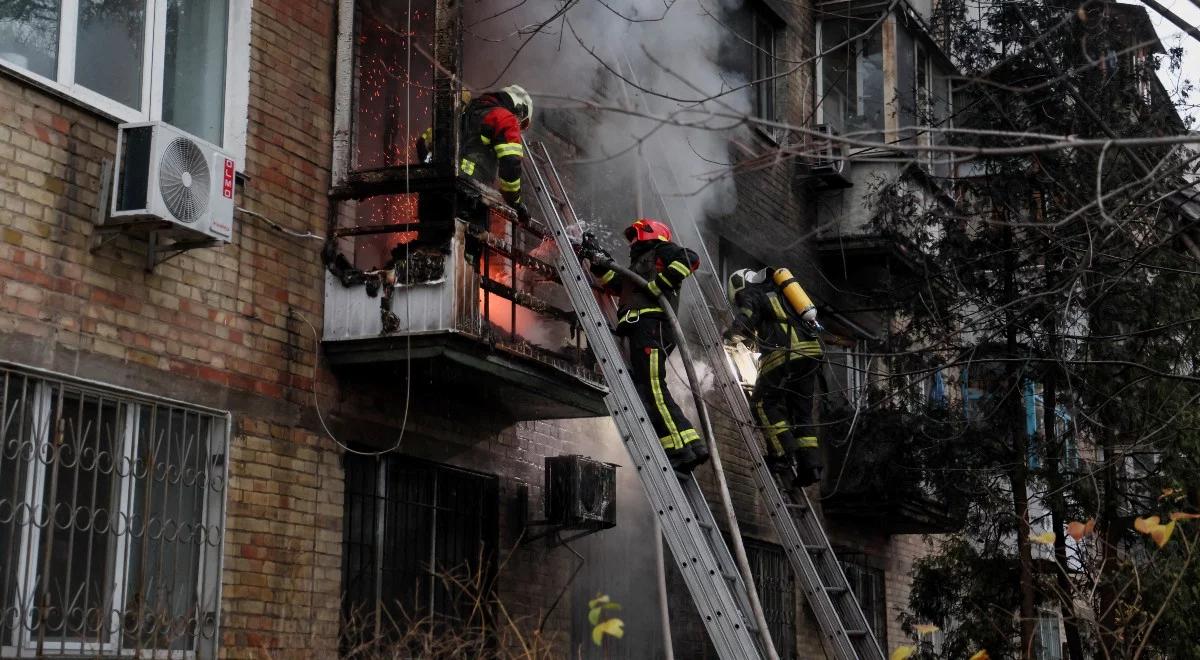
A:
[(255, 446)]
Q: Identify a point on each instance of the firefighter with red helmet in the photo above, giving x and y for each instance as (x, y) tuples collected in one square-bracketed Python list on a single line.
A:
[(641, 318), (491, 149)]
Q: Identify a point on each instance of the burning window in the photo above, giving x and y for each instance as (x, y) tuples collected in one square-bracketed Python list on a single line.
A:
[(380, 225), (393, 80)]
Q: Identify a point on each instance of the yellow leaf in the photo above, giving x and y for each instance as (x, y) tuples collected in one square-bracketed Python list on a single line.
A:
[(903, 652), (1144, 525), (1045, 538), (1162, 533), (1180, 515), (925, 629), (599, 600), (981, 655), (1078, 530), (614, 627)]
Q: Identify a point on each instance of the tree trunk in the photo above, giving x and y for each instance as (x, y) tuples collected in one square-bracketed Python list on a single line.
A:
[(1054, 454)]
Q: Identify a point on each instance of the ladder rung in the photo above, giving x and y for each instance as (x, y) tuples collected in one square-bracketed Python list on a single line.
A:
[(856, 633), (815, 549), (799, 506), (835, 591)]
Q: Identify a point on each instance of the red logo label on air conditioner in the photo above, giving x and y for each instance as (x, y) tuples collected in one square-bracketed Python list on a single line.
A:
[(227, 187)]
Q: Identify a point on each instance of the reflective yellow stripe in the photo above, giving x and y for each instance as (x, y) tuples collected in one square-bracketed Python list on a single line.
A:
[(660, 402), (773, 445), (509, 149), (607, 277), (681, 268), (808, 442), (689, 436), (632, 315), (779, 313), (467, 167), (510, 186), (485, 139), (653, 286), (427, 135)]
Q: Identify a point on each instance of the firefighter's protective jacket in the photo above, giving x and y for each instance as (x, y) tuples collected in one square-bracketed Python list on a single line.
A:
[(492, 149), (663, 264), (764, 315)]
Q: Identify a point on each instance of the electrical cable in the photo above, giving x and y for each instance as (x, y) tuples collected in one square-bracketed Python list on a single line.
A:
[(278, 227)]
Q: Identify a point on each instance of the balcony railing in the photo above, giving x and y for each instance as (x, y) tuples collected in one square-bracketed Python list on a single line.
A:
[(481, 306)]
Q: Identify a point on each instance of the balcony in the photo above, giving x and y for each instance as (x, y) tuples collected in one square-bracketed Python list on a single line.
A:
[(471, 312), (878, 480)]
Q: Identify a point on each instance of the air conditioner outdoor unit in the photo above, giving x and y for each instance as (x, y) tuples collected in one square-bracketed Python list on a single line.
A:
[(828, 162), (580, 492), (164, 174)]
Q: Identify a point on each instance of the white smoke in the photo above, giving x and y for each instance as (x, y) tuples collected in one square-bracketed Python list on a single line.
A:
[(677, 49)]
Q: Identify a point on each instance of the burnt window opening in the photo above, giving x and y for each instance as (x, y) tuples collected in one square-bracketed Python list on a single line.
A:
[(409, 525), (393, 80), (777, 592)]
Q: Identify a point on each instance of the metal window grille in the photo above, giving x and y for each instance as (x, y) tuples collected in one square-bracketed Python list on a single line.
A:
[(868, 586), (777, 591), (112, 509), (408, 525)]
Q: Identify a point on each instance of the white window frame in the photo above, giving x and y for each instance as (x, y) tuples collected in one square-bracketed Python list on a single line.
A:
[(855, 95), (237, 71), (209, 559)]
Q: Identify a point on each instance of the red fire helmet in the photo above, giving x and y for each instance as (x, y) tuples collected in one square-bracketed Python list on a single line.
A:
[(647, 229)]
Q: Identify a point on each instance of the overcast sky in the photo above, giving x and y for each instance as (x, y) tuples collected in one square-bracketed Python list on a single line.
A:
[(1172, 36)]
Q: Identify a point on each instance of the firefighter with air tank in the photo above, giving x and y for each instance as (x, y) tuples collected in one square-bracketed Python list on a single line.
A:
[(772, 310)]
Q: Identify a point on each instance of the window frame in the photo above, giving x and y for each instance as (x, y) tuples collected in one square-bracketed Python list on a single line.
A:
[(762, 18), (48, 388), (237, 71)]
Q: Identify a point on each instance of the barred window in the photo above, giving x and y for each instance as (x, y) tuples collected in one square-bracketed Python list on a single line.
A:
[(866, 582), (112, 509), (777, 592), (419, 538)]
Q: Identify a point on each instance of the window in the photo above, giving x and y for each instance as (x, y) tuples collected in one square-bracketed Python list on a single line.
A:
[(923, 98), (408, 523), (1049, 637), (777, 592), (868, 586), (393, 80), (850, 77), (111, 521), (851, 367), (139, 60), (766, 41)]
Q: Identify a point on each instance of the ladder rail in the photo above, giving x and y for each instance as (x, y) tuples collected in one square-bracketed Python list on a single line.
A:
[(796, 536), (701, 563)]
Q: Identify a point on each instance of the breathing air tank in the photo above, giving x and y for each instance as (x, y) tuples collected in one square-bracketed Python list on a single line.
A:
[(794, 294)]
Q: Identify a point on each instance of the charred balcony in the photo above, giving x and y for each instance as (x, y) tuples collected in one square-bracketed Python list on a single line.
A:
[(467, 307)]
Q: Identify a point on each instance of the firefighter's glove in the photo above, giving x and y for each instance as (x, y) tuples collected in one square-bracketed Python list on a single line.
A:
[(733, 336), (589, 248), (522, 211)]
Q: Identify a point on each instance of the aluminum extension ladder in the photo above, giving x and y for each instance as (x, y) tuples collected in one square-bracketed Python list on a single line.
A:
[(687, 522), (800, 532)]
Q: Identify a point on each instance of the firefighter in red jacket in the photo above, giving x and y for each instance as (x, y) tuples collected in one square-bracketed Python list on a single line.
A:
[(664, 265), (491, 142)]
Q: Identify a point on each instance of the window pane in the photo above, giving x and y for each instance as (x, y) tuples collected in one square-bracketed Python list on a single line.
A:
[(80, 496), (764, 68), (194, 69), (111, 41), (29, 35), (393, 81), (169, 487), (852, 77), (16, 446)]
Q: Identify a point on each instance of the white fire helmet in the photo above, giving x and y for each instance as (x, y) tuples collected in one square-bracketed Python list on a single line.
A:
[(522, 102), (740, 278)]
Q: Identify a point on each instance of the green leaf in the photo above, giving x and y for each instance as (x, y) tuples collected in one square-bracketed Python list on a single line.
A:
[(594, 616), (598, 601), (614, 627)]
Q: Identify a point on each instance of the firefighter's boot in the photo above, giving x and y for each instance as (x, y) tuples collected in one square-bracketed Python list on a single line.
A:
[(682, 459), (701, 453), (808, 468)]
